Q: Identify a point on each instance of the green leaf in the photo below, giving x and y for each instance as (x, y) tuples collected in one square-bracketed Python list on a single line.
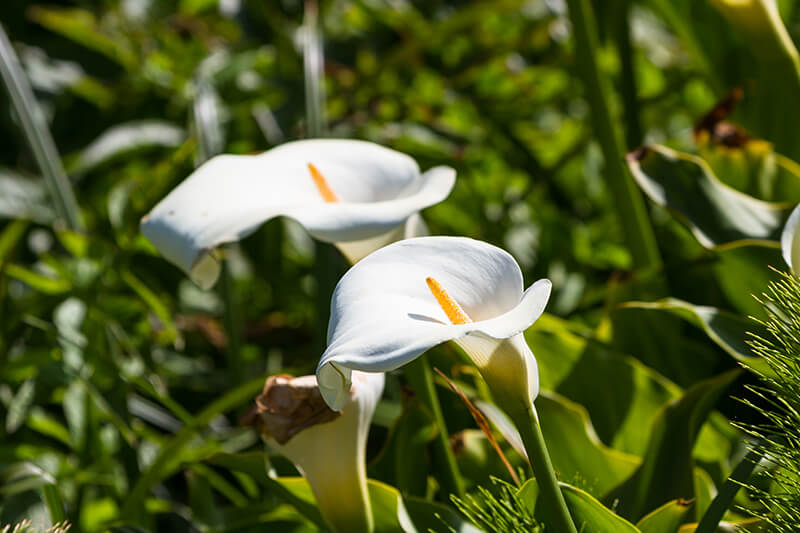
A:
[(771, 64), (20, 406), (666, 519), (667, 471), (727, 330), (577, 453), (591, 515), (127, 139), (743, 272), (36, 281), (580, 369), (717, 215), (168, 333), (754, 169)]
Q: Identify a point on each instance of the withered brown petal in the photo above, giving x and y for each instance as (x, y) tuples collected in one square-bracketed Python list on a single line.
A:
[(289, 405)]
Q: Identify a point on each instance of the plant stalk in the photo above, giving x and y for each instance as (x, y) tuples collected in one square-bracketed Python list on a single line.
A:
[(627, 198), (622, 39), (531, 432), (38, 135), (420, 377)]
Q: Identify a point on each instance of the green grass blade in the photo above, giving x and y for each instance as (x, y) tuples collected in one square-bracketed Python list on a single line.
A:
[(38, 135), (724, 498)]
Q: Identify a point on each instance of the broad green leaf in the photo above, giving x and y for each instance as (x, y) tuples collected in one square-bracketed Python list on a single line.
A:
[(666, 519), (124, 140), (744, 272), (575, 450), (577, 453), (729, 331), (774, 74), (754, 169), (717, 215), (591, 515), (588, 514), (667, 470), (580, 369)]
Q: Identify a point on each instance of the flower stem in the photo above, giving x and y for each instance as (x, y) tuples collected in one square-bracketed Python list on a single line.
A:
[(630, 205), (528, 425), (420, 377)]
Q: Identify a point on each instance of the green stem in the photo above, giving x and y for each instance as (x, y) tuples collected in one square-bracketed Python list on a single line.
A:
[(420, 377), (627, 198), (724, 498), (528, 425), (232, 321), (622, 37), (38, 135)]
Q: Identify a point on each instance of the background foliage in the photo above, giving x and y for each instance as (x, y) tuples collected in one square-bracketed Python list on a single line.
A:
[(121, 383)]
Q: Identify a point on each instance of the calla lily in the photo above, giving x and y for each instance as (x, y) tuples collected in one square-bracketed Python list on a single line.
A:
[(328, 447), (790, 240), (405, 298), (355, 194), (412, 295)]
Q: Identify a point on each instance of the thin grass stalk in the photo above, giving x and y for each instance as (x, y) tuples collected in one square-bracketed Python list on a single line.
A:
[(627, 198), (38, 136), (314, 67), (420, 378)]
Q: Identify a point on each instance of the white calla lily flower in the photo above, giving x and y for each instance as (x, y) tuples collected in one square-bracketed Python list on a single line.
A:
[(790, 240), (415, 294), (355, 194), (329, 448)]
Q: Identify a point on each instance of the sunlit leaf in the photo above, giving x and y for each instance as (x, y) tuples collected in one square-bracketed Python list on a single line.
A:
[(717, 215)]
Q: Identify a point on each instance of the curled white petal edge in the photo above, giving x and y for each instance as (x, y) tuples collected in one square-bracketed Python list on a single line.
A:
[(790, 239), (334, 372), (335, 222)]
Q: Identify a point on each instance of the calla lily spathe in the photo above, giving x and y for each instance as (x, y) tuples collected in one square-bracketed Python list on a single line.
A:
[(329, 448), (405, 298), (790, 240), (356, 194)]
